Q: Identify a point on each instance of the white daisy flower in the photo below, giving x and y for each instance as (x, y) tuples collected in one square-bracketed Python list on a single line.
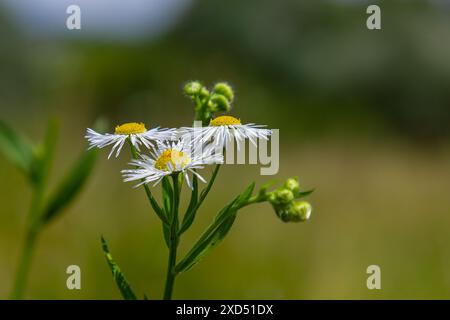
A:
[(137, 133), (222, 130), (171, 157)]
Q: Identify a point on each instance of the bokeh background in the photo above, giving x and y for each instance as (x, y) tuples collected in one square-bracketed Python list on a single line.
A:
[(363, 117)]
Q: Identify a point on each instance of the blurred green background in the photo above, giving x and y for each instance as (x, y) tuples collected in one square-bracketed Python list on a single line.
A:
[(363, 117)]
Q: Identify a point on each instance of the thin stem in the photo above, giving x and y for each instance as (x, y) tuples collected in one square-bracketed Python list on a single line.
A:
[(29, 245), (24, 266), (174, 239), (252, 200)]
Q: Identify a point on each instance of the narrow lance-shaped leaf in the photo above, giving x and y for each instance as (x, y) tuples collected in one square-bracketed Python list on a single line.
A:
[(191, 210), (70, 186), (195, 203), (245, 195), (16, 148), (119, 278), (43, 155), (158, 210), (215, 233), (302, 194), (167, 194)]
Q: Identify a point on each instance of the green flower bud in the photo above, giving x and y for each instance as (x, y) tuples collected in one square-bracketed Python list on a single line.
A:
[(192, 88), (204, 93), (293, 211), (271, 197), (284, 216), (300, 211), (293, 185), (224, 89), (281, 211), (219, 102), (284, 196)]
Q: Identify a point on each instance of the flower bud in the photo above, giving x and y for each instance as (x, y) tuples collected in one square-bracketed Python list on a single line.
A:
[(192, 88), (300, 211), (293, 185), (204, 93), (284, 196), (293, 211), (219, 102), (224, 89)]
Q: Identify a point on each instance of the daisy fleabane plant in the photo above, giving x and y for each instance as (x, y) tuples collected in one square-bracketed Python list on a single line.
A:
[(174, 156)]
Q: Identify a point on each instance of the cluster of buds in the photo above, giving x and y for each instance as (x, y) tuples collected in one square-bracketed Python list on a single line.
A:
[(208, 102), (286, 204)]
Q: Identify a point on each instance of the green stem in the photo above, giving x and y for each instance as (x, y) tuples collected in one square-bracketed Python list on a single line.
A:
[(29, 245), (24, 266), (174, 239), (252, 200)]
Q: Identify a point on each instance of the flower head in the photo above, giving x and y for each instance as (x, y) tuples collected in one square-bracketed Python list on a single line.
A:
[(136, 132), (224, 129), (169, 158), (295, 211)]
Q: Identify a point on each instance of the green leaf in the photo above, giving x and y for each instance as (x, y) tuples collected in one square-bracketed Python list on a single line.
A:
[(159, 212), (303, 194), (210, 238), (167, 194), (245, 195), (189, 216), (70, 186), (119, 278), (16, 148), (43, 155), (216, 232)]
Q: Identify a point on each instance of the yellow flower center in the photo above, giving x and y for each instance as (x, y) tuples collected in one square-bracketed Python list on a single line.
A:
[(224, 121), (130, 128), (175, 157)]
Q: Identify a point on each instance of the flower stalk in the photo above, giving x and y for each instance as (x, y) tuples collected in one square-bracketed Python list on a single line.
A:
[(174, 240)]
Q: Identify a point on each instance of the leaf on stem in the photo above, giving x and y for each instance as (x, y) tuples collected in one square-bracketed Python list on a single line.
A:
[(189, 217), (70, 186), (159, 212), (122, 283), (167, 194), (191, 210), (303, 194), (216, 232), (16, 148), (43, 156)]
